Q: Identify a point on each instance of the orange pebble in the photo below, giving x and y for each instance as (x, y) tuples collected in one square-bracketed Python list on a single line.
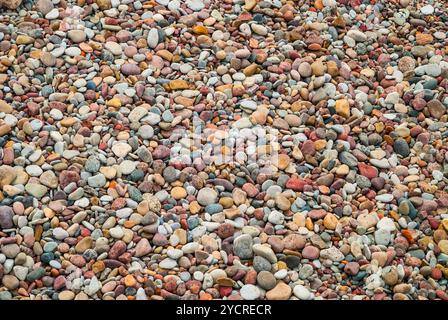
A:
[(129, 224), (158, 276), (206, 296), (422, 163), (389, 140), (314, 47), (200, 30), (376, 113)]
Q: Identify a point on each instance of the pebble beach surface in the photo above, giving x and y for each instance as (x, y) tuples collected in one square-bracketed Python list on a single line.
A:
[(234, 149)]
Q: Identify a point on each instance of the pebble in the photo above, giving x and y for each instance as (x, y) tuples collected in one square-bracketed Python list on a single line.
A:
[(266, 280), (280, 292), (302, 293), (207, 196), (242, 246), (250, 292), (200, 150), (427, 10), (6, 217)]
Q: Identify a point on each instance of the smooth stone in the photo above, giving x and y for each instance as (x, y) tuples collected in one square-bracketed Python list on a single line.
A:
[(207, 196), (242, 246), (302, 293)]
